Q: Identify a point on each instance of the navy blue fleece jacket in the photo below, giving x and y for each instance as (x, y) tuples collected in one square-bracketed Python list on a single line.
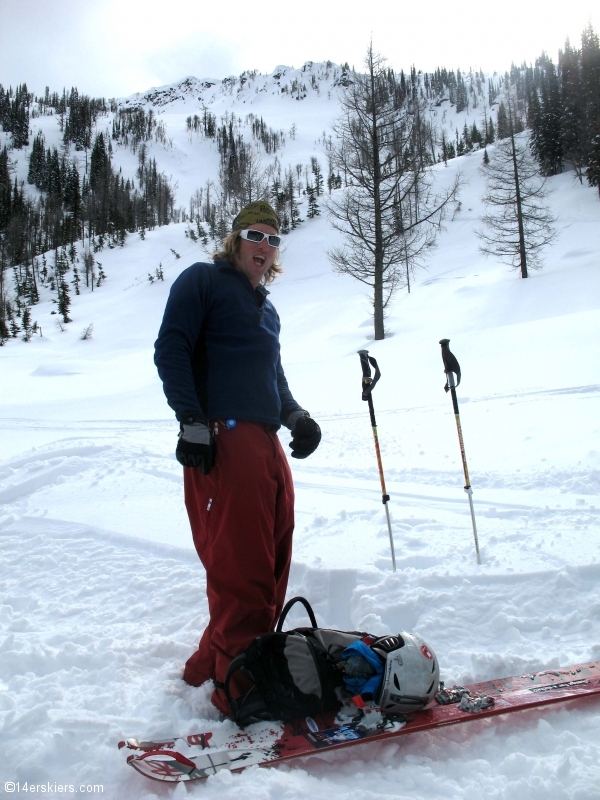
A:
[(217, 351)]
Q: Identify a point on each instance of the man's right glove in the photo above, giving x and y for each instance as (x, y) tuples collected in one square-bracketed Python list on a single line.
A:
[(196, 446)]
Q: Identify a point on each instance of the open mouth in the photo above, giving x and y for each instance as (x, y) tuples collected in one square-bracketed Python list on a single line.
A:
[(260, 260)]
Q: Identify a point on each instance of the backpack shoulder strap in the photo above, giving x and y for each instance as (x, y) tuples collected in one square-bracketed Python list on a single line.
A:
[(239, 662), (252, 706), (288, 606), (244, 659)]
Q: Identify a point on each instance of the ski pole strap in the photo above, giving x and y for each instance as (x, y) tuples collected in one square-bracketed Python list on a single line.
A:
[(451, 365), (368, 382)]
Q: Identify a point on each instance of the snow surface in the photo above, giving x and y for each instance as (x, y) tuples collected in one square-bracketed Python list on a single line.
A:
[(102, 597)]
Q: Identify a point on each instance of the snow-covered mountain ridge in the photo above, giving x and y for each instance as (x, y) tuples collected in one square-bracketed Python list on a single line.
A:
[(319, 83), (320, 78), (294, 83)]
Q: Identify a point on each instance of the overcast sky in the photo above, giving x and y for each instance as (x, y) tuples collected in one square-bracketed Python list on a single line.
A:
[(113, 48)]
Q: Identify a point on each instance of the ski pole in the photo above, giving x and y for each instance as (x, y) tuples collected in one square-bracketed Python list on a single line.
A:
[(451, 367), (368, 384)]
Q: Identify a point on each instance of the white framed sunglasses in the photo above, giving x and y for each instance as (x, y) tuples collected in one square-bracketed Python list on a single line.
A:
[(257, 237)]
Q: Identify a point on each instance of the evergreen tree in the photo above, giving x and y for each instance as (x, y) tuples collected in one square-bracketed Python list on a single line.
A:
[(294, 211), (546, 141), (466, 137), (27, 326), (573, 118), (14, 115), (333, 181), (4, 329), (61, 267), (76, 280), (476, 136), (99, 163), (102, 274), (64, 300), (83, 112), (318, 176), (313, 206), (502, 130), (590, 82), (5, 191), (37, 161), (444, 154), (5, 112), (54, 174), (462, 98), (72, 193)]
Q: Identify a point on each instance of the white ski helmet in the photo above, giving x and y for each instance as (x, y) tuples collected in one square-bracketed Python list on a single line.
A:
[(411, 675)]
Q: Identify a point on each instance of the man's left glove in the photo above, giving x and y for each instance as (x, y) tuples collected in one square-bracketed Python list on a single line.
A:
[(196, 446), (306, 434)]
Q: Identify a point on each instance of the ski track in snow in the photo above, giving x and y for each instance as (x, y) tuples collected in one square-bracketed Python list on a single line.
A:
[(102, 597), (86, 659), (97, 623)]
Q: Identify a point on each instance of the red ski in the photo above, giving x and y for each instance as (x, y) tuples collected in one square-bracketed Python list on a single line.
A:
[(227, 747)]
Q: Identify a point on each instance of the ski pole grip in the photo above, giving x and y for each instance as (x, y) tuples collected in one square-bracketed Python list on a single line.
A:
[(450, 362), (445, 350), (364, 362), (367, 382)]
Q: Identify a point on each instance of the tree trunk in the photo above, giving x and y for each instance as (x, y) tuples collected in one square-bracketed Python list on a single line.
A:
[(522, 251), (375, 151)]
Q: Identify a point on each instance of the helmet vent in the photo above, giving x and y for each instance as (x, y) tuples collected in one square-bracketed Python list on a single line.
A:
[(430, 688), (387, 644), (396, 682)]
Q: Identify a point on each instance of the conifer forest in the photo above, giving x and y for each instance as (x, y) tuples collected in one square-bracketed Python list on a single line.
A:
[(75, 201)]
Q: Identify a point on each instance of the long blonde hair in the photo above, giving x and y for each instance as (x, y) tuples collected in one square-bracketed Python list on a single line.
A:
[(231, 245)]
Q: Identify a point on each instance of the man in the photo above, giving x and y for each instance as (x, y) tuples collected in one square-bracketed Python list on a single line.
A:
[(217, 354)]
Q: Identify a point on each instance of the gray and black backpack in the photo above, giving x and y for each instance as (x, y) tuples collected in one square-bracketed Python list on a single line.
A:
[(307, 671)]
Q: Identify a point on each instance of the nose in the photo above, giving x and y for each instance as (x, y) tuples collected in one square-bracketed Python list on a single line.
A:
[(264, 245)]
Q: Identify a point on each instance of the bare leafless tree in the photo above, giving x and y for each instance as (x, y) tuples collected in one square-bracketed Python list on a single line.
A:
[(388, 209), (518, 222)]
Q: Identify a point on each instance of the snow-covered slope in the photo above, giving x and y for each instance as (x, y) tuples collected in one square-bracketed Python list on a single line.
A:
[(102, 596)]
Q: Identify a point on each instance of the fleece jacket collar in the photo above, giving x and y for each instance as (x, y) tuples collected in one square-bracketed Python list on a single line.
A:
[(226, 266)]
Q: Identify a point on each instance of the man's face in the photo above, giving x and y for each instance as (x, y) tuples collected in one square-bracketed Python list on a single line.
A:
[(255, 258)]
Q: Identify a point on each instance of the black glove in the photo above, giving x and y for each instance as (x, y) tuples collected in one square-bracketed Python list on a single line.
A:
[(306, 434), (196, 446)]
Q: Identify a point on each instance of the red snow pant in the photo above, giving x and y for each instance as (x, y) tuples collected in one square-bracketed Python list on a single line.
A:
[(242, 520)]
